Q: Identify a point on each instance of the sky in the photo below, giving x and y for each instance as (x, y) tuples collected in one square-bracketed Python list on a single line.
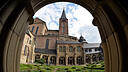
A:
[(79, 20)]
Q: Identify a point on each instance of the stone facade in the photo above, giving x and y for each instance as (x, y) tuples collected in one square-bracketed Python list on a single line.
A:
[(28, 47), (56, 46), (110, 16)]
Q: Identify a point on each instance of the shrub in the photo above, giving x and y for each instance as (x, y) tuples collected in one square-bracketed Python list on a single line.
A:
[(85, 71), (42, 70), (73, 67), (94, 65), (48, 69), (69, 70), (78, 70), (41, 61), (83, 68), (66, 69)]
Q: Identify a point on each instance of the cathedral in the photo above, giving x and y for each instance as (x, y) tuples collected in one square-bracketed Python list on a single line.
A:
[(57, 47)]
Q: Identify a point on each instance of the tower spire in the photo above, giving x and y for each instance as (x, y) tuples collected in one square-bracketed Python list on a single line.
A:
[(63, 24), (63, 16)]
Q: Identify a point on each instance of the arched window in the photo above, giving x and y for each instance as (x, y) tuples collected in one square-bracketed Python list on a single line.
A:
[(37, 57), (62, 61), (60, 48), (47, 44), (96, 49), (25, 50), (88, 59), (86, 50), (71, 61), (45, 59), (53, 60), (30, 42), (94, 58), (90, 50), (78, 48), (64, 48), (32, 28), (70, 49), (36, 30), (79, 60)]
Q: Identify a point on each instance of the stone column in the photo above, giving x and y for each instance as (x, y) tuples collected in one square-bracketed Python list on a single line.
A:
[(75, 57), (84, 58), (66, 55), (106, 57), (49, 60), (97, 57), (91, 59), (66, 60), (57, 60)]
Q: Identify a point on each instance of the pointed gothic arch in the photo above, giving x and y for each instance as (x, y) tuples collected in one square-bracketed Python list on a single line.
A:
[(110, 17)]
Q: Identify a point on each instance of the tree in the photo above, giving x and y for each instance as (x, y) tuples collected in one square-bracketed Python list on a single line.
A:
[(41, 61)]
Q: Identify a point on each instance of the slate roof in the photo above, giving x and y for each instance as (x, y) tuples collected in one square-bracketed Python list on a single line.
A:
[(63, 16), (67, 42), (91, 45), (45, 51)]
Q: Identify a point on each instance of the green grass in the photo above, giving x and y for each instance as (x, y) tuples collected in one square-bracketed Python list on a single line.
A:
[(98, 67)]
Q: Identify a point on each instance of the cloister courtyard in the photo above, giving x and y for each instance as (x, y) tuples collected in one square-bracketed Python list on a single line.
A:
[(37, 67)]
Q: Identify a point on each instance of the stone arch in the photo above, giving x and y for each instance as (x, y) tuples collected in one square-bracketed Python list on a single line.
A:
[(94, 58), (53, 60), (45, 59), (110, 17), (100, 57), (37, 57), (79, 60), (88, 59), (71, 60), (62, 60)]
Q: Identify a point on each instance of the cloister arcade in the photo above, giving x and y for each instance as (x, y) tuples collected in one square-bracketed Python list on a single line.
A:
[(109, 15)]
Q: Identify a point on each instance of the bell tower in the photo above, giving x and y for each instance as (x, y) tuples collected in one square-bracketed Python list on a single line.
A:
[(63, 24)]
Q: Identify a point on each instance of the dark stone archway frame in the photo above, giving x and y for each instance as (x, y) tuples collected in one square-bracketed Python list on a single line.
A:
[(110, 17)]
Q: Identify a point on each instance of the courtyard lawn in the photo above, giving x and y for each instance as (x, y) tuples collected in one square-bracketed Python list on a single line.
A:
[(45, 68), (97, 67)]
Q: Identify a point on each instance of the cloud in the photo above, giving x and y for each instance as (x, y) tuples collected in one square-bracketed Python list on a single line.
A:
[(79, 20)]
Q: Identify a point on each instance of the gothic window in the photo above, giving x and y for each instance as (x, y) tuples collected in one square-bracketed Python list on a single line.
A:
[(25, 50), (88, 59), (78, 48), (70, 49), (96, 49), (62, 61), (60, 48), (79, 60), (64, 48), (99, 49), (27, 40), (36, 30), (71, 60), (45, 59), (37, 57), (86, 50), (30, 42), (33, 28), (94, 58), (90, 50), (47, 44), (53, 60)]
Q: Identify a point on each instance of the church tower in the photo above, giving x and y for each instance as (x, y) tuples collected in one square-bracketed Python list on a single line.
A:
[(63, 24)]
